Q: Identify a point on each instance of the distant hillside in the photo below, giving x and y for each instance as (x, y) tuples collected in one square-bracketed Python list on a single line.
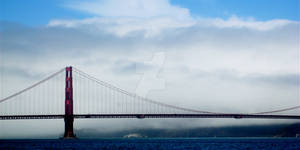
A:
[(290, 131), (232, 131)]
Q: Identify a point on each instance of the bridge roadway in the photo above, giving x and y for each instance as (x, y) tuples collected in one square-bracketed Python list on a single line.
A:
[(142, 116)]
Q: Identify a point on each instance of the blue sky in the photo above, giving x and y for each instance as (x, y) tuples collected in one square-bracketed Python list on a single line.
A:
[(259, 9), (37, 12)]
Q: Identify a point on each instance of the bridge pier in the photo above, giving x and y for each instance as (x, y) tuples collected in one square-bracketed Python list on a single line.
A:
[(69, 117), (69, 133)]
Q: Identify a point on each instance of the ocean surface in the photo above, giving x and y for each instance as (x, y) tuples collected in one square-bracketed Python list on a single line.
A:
[(158, 144)]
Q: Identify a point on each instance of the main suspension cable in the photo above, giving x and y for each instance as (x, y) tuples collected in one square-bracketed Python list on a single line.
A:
[(32, 86)]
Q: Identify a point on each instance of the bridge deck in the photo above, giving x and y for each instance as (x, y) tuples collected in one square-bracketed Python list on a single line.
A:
[(141, 116)]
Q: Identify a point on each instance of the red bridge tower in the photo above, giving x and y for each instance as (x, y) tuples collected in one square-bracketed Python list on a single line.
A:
[(69, 118)]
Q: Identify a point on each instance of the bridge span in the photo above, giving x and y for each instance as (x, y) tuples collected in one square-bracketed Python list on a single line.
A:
[(81, 96), (143, 116)]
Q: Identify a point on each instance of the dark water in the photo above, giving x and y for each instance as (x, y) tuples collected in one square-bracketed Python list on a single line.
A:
[(160, 144)]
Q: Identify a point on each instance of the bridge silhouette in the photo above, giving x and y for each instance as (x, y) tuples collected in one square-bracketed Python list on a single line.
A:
[(70, 93)]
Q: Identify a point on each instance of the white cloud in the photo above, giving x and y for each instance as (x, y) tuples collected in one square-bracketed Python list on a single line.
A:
[(124, 26), (151, 17), (124, 18), (250, 23), (131, 8)]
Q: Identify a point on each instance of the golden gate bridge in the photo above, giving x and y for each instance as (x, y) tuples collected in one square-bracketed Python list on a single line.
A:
[(70, 93)]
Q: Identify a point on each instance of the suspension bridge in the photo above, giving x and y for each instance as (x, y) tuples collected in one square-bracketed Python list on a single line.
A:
[(70, 93)]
